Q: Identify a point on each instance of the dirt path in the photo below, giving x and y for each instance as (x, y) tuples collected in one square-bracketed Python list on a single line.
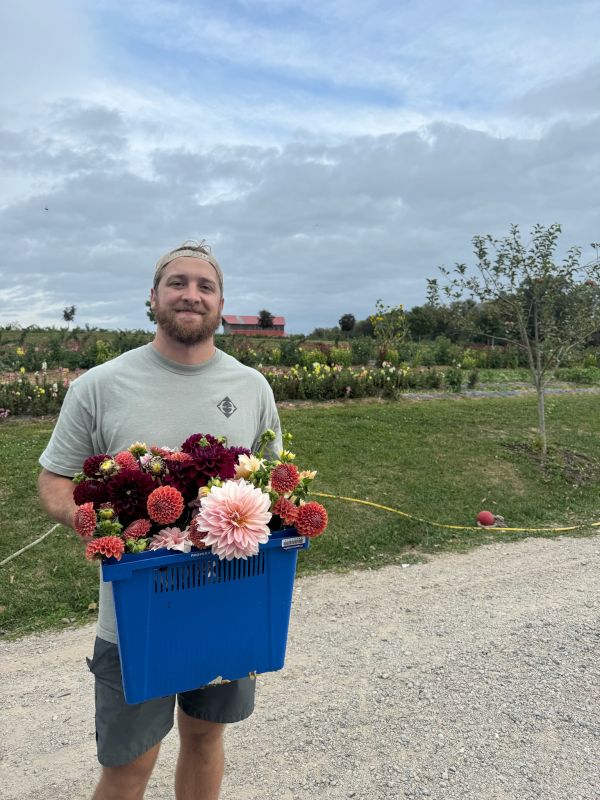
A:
[(472, 676)]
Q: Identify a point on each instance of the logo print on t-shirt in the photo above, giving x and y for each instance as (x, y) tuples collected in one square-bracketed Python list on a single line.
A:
[(227, 407)]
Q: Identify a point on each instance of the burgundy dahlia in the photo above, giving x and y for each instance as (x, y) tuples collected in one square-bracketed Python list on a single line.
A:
[(91, 491), (128, 491), (91, 465), (206, 458)]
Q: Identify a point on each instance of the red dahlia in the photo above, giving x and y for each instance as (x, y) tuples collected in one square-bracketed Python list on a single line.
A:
[(311, 520), (165, 505), (285, 509), (85, 520), (138, 529), (109, 546), (285, 478)]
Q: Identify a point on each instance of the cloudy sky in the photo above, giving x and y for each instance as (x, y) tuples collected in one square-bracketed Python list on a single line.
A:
[(332, 152)]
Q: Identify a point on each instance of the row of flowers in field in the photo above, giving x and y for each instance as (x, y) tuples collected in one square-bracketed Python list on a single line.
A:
[(40, 394), (324, 382), (82, 350), (32, 395)]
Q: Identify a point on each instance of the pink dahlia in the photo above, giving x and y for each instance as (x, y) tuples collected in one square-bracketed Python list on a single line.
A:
[(138, 529), (85, 520), (235, 519), (172, 539), (127, 460), (165, 505), (285, 478), (109, 546), (160, 451), (285, 509), (311, 519)]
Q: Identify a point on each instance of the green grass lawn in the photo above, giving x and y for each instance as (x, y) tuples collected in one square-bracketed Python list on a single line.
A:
[(443, 460)]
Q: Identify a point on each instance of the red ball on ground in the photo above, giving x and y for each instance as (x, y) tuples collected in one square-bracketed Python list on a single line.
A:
[(485, 518)]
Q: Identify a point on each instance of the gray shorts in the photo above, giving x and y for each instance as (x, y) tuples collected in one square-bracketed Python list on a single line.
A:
[(124, 732)]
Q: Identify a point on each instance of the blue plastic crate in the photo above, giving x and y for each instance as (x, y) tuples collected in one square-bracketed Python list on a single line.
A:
[(184, 619)]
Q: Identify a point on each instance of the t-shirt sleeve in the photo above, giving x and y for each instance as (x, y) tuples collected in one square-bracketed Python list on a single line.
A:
[(269, 419), (72, 439)]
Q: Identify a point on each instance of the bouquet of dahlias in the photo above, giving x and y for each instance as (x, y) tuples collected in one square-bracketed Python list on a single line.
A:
[(203, 495)]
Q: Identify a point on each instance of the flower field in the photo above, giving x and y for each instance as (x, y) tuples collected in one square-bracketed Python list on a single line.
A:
[(35, 372)]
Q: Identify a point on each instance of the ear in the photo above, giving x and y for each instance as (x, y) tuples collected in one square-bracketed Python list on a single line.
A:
[(221, 303), (152, 298)]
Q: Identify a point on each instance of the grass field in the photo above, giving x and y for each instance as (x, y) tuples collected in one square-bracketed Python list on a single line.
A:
[(442, 460)]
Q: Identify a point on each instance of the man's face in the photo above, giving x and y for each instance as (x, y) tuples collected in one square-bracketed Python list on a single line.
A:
[(187, 303)]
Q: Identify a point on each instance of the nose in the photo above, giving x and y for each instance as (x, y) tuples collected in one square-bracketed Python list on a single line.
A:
[(191, 294)]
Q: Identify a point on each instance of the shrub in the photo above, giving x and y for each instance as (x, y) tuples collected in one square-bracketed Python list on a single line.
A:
[(362, 350), (454, 379), (341, 356), (290, 352), (587, 375), (308, 357)]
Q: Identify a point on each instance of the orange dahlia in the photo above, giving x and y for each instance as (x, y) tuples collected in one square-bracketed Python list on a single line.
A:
[(177, 455), (127, 459), (85, 520), (285, 509), (109, 546), (138, 529), (165, 505), (285, 478), (311, 519)]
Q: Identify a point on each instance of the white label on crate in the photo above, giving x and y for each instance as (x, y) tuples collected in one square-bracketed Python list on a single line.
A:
[(293, 543)]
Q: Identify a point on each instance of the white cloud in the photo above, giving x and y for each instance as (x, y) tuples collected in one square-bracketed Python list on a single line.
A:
[(333, 153)]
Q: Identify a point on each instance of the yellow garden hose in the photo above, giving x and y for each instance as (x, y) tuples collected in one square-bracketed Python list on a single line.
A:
[(453, 527)]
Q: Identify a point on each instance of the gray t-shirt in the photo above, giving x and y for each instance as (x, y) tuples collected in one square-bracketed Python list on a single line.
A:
[(143, 396)]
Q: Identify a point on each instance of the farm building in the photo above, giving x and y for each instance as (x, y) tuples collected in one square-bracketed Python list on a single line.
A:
[(248, 326)]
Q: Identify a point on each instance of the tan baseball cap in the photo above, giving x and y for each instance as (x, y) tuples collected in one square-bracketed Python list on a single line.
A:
[(190, 249)]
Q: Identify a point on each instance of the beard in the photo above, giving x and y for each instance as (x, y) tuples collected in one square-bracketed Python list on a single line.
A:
[(187, 331)]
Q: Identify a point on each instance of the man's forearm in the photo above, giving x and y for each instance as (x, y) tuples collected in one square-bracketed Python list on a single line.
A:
[(56, 497)]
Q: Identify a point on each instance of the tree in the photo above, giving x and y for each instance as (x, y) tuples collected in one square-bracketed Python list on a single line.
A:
[(347, 322), (389, 326), (69, 314), (149, 312), (364, 327), (548, 308), (265, 319)]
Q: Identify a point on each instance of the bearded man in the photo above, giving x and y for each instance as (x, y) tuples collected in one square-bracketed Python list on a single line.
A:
[(160, 393)]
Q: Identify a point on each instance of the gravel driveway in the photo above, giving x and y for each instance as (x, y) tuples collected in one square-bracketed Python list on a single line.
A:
[(472, 676)]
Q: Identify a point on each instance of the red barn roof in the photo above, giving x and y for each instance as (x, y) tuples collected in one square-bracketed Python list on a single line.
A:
[(235, 319)]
